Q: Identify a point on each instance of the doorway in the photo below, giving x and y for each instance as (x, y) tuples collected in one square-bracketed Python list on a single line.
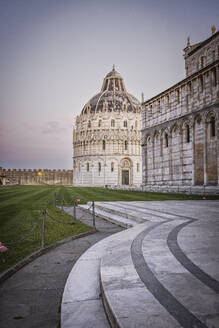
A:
[(125, 177)]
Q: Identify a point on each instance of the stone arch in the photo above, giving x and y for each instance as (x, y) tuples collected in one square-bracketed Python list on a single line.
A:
[(175, 155), (126, 171), (186, 131), (174, 129)]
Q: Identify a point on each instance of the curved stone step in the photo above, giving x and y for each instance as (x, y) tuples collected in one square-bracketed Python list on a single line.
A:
[(145, 285), (81, 303), (114, 217), (120, 210)]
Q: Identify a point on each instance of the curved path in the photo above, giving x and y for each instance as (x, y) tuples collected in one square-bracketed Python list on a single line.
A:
[(31, 298), (177, 261)]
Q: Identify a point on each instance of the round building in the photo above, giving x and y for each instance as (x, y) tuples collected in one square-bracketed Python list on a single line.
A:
[(107, 138)]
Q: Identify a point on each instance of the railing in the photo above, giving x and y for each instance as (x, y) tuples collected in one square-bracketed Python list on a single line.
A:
[(45, 215), (74, 205)]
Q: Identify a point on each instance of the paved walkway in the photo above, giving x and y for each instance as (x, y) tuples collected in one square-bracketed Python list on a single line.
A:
[(31, 298), (177, 261), (161, 273)]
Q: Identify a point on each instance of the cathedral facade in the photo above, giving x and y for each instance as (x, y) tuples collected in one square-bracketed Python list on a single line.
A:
[(180, 126), (107, 138)]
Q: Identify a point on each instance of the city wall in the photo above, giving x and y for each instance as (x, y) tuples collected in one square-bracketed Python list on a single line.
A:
[(35, 177)]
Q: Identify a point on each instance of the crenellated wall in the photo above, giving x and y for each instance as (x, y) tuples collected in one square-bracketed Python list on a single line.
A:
[(36, 177)]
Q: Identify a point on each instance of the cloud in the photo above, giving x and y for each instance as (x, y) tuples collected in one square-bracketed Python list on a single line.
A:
[(37, 142)]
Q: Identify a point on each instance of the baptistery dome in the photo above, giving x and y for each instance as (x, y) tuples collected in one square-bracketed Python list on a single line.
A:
[(107, 137), (113, 96)]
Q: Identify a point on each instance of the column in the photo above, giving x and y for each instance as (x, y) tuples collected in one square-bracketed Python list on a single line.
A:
[(181, 154), (170, 158), (193, 153), (205, 152)]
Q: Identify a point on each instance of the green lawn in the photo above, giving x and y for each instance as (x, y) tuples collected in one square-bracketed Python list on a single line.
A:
[(21, 208)]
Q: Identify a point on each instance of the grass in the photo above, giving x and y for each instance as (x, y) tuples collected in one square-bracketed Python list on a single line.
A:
[(20, 211), (21, 208)]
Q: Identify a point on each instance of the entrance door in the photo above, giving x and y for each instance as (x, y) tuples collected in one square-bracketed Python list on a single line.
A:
[(125, 177)]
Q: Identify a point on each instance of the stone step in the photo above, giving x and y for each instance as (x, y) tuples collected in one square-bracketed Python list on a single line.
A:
[(162, 273), (114, 217), (145, 284), (117, 209), (81, 302)]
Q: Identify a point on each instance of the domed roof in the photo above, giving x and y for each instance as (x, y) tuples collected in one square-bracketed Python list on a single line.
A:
[(113, 96)]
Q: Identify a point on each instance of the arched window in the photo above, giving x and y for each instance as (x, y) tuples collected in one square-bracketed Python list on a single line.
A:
[(187, 133), (166, 140), (214, 77), (212, 126), (87, 167), (138, 167), (125, 124), (112, 123), (178, 96), (201, 83), (104, 144), (202, 61), (126, 145), (158, 105), (112, 167), (213, 55), (99, 123), (99, 166), (89, 124)]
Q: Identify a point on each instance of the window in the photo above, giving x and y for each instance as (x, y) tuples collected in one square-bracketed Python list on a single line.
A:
[(214, 77), (212, 125), (201, 83), (99, 166), (79, 167), (104, 144), (178, 96), (87, 167), (113, 123), (125, 124), (112, 167), (136, 124), (213, 55), (158, 105), (187, 133), (89, 124), (168, 100), (99, 123), (166, 140), (189, 87), (126, 145), (202, 61), (137, 167)]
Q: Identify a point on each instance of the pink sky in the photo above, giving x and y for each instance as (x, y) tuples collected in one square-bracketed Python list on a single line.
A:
[(55, 54)]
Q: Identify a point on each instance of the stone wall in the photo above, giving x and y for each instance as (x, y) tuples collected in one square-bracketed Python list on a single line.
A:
[(36, 177), (190, 190), (180, 135)]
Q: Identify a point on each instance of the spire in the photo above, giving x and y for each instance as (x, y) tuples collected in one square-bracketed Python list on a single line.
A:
[(188, 41), (113, 68), (142, 97), (213, 30)]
